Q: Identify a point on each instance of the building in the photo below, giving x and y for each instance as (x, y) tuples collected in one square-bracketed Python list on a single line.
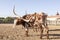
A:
[(54, 19)]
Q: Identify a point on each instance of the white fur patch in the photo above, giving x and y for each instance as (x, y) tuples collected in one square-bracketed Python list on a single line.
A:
[(15, 21), (25, 29), (26, 20)]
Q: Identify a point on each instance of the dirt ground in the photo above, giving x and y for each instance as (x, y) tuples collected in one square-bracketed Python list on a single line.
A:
[(7, 32)]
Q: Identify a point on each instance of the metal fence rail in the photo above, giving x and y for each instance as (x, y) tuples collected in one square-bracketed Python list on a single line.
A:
[(53, 22)]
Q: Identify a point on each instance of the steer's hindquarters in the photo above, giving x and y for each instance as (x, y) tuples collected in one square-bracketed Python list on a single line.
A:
[(17, 22)]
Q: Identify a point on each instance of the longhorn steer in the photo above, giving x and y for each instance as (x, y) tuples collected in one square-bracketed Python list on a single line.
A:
[(40, 22), (34, 20)]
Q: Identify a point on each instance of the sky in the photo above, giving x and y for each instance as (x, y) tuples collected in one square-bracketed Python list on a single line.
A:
[(50, 7)]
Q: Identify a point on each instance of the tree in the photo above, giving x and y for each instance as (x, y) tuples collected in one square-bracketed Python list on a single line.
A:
[(1, 19), (8, 20)]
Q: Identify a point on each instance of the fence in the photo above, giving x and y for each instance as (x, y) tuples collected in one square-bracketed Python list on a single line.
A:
[(55, 22)]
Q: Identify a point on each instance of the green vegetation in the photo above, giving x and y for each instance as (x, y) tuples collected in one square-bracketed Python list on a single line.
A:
[(6, 20)]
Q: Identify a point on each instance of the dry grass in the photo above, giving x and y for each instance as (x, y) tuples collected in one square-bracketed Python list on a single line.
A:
[(8, 33)]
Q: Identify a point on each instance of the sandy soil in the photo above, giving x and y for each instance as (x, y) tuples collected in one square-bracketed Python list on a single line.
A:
[(8, 33)]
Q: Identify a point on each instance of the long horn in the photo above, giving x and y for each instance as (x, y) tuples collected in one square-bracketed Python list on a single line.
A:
[(15, 12), (19, 16)]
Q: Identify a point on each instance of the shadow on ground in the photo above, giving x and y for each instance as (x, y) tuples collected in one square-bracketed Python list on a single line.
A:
[(54, 36)]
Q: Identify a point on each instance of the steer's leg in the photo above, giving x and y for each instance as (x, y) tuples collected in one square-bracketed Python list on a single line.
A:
[(47, 30), (26, 30), (15, 21), (41, 34)]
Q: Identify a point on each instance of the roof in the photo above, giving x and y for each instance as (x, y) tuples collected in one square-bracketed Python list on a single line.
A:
[(56, 16)]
